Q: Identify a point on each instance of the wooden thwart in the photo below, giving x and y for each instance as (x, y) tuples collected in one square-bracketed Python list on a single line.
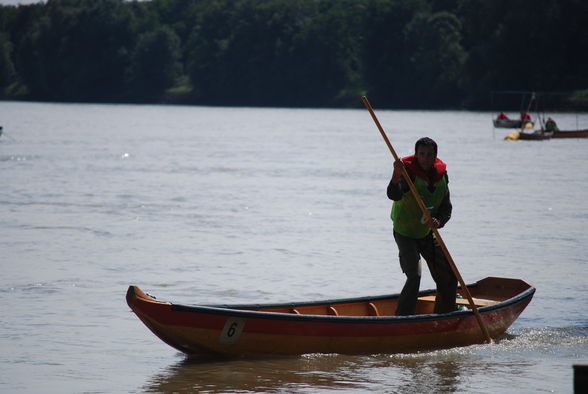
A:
[(462, 301), (333, 311), (373, 309)]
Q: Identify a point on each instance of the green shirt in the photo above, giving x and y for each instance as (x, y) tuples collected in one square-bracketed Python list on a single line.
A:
[(406, 214)]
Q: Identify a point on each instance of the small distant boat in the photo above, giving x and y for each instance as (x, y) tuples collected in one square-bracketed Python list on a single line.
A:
[(570, 133), (545, 135), (348, 326), (512, 124)]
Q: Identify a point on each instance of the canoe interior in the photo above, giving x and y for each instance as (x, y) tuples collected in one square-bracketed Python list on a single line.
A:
[(486, 292)]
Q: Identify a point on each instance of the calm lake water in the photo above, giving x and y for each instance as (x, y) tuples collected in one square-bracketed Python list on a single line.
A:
[(240, 205)]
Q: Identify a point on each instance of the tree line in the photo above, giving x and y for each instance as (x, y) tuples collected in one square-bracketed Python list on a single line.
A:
[(307, 53)]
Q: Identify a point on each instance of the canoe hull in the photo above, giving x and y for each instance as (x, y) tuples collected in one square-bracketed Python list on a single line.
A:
[(510, 124), (538, 135), (570, 133), (196, 330)]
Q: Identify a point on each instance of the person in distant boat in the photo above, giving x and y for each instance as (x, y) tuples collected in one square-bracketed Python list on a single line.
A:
[(550, 125), (413, 235), (502, 116), (525, 117)]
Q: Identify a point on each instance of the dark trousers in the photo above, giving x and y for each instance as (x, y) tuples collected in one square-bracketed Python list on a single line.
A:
[(410, 250)]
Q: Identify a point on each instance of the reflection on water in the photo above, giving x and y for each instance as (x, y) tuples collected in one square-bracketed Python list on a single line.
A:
[(264, 374), (435, 371), (428, 372), (451, 370)]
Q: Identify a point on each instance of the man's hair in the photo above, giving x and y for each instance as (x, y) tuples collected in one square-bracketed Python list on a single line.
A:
[(425, 141)]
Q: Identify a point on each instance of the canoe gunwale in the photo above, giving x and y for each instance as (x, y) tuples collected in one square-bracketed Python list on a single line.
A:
[(231, 311)]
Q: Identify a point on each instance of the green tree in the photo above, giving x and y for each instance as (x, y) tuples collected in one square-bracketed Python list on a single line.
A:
[(7, 73), (278, 52), (205, 49), (154, 65), (482, 23), (436, 60), (386, 54), (325, 59), (78, 50), (523, 45), (402, 53)]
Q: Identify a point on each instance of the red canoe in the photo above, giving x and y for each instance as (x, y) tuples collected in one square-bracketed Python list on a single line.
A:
[(349, 326)]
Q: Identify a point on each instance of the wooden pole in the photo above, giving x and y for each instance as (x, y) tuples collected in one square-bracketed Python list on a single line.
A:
[(523, 124), (427, 217)]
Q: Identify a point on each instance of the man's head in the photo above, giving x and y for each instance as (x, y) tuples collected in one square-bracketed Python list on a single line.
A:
[(425, 151)]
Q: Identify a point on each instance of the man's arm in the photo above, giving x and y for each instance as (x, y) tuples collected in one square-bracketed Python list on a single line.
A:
[(397, 186), (396, 190)]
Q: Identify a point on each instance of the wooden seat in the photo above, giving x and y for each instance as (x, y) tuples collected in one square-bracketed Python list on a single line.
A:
[(461, 301)]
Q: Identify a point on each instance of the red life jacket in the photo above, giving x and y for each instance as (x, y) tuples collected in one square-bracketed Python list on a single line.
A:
[(414, 169)]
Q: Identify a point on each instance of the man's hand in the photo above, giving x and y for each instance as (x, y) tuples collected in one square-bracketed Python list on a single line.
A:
[(434, 222), (397, 174)]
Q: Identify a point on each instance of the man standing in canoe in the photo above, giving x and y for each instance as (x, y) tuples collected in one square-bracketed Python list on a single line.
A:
[(413, 235)]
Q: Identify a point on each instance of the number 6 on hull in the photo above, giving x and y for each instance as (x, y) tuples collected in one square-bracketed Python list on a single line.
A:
[(232, 331)]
